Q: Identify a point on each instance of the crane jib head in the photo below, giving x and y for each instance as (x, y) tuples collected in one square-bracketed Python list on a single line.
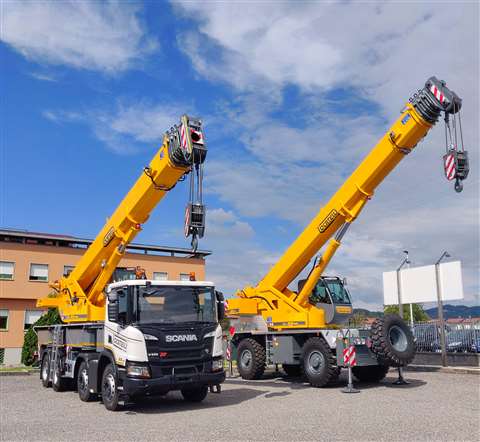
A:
[(430, 102), (187, 145)]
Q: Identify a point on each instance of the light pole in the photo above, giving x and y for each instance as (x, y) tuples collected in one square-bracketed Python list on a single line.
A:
[(401, 380), (399, 283), (445, 254)]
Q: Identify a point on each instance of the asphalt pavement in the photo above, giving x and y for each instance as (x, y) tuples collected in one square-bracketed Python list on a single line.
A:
[(434, 407)]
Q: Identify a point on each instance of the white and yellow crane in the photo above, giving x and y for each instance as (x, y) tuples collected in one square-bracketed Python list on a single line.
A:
[(300, 329), (138, 337)]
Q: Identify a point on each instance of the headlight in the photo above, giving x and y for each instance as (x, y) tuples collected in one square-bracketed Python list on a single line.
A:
[(217, 364), (138, 371)]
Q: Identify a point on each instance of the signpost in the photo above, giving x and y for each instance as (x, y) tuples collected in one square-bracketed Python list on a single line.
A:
[(434, 283)]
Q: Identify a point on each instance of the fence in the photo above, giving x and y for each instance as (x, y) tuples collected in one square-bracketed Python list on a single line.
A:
[(463, 338)]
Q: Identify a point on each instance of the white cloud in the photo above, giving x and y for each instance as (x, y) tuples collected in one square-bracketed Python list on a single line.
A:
[(102, 36), (126, 128), (43, 77), (379, 52)]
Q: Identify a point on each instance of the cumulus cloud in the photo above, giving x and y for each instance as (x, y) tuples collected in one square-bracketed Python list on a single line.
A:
[(101, 36), (127, 127), (380, 54)]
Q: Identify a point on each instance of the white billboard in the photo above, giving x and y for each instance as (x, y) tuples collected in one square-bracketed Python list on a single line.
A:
[(418, 284)]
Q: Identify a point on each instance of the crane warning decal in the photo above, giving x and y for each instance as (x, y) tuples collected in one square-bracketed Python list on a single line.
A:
[(450, 167), (325, 224)]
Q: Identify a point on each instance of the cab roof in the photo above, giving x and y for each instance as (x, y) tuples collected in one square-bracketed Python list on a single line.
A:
[(153, 282)]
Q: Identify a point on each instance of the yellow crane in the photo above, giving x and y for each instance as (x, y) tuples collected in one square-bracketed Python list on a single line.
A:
[(271, 312), (80, 295)]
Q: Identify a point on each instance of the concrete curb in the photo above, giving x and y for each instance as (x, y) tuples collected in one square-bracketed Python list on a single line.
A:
[(435, 368), (19, 372)]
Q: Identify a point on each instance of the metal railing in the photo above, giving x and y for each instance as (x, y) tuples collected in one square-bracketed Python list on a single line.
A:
[(464, 337)]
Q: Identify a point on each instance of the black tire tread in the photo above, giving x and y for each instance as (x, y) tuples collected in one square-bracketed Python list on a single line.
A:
[(259, 359), (332, 373), (385, 356)]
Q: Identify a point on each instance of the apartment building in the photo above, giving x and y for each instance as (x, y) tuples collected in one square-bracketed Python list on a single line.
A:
[(28, 260)]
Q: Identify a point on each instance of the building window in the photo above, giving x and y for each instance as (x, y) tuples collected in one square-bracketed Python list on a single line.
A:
[(2, 355), (160, 276), (67, 270), (3, 319), (6, 270), (38, 272), (31, 316), (184, 276)]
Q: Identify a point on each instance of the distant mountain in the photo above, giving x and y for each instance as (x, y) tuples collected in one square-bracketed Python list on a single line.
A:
[(367, 313), (455, 311), (449, 312)]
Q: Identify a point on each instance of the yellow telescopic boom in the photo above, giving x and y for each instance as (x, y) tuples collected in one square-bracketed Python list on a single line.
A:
[(282, 308), (79, 295)]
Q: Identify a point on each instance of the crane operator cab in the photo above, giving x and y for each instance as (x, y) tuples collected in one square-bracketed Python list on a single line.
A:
[(331, 295)]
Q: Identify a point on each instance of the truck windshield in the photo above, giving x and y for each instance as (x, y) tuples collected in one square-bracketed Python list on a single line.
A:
[(169, 304), (338, 291)]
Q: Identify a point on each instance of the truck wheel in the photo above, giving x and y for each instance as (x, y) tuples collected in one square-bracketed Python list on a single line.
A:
[(195, 394), (82, 384), (370, 373), (319, 363), (58, 383), (392, 341), (250, 359), (292, 370), (110, 394), (45, 370)]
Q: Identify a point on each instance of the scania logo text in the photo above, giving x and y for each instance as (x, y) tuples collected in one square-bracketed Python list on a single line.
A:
[(180, 338)]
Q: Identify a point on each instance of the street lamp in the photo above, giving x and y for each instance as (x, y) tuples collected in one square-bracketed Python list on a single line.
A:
[(399, 288), (401, 380), (445, 254)]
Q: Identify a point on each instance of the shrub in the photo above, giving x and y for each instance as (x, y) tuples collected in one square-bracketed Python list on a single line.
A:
[(30, 340)]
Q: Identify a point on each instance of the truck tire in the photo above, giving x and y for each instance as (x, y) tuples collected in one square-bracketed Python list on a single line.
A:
[(250, 359), (58, 383), (45, 370), (195, 394), (370, 373), (110, 393), (318, 363), (392, 341), (292, 370), (82, 384)]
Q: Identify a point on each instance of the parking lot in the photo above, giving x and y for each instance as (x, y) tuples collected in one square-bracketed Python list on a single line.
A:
[(435, 406)]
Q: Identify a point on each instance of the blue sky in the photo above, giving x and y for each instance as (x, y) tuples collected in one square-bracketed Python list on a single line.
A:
[(292, 98)]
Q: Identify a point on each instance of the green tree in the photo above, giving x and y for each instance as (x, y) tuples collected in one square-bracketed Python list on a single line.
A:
[(419, 314), (30, 341)]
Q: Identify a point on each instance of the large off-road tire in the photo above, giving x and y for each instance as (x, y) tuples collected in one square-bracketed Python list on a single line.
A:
[(195, 394), (82, 384), (110, 393), (45, 370), (319, 363), (370, 373), (251, 359), (392, 341), (292, 370)]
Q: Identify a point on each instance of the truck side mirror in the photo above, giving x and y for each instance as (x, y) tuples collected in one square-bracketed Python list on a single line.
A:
[(113, 310), (220, 305)]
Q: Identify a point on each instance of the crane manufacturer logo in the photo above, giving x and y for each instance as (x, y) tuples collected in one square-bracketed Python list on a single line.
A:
[(180, 338), (325, 224), (108, 237)]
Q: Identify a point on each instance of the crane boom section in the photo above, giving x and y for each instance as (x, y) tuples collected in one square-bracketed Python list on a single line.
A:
[(80, 294), (348, 201)]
